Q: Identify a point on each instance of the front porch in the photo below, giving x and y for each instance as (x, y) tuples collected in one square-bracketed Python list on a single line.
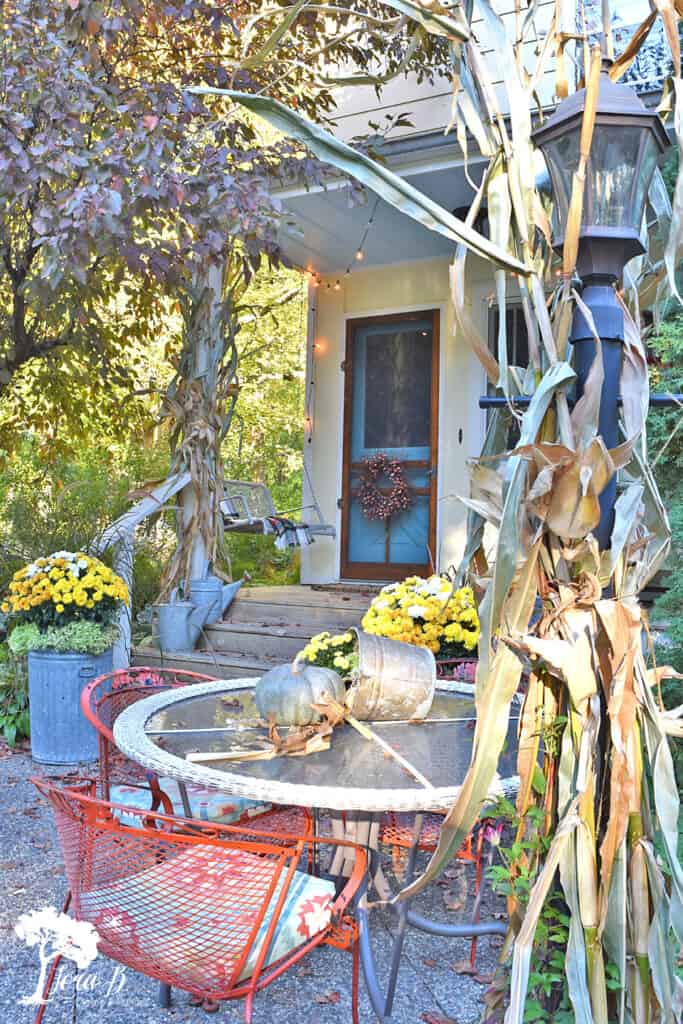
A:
[(264, 627)]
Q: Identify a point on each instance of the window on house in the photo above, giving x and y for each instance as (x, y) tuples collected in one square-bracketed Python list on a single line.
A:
[(517, 353)]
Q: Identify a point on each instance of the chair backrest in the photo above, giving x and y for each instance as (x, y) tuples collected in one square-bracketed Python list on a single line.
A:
[(185, 907), (103, 700), (246, 500)]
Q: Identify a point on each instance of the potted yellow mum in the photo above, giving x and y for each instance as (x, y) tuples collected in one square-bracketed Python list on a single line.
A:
[(428, 612), (63, 609)]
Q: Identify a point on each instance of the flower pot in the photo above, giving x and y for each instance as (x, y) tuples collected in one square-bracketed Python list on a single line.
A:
[(60, 733)]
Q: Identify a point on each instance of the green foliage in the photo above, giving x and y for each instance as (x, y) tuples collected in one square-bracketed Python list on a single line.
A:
[(665, 444), (83, 637), (548, 996), (14, 717), (64, 501), (267, 433), (266, 437)]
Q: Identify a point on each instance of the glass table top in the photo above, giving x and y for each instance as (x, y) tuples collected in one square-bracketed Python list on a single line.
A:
[(439, 747)]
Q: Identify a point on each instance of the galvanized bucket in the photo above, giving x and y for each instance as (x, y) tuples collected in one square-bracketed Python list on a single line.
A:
[(394, 682), (60, 733)]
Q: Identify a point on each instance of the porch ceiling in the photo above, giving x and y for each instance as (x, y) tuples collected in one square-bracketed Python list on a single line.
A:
[(322, 231)]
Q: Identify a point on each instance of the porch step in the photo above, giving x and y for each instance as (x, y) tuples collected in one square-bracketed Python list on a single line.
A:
[(266, 626), (221, 665), (259, 641), (301, 606)]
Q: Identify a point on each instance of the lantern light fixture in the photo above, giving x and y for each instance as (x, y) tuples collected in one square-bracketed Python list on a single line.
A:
[(627, 141)]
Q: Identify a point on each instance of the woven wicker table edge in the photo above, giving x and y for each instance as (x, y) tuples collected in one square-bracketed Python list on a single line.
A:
[(130, 737)]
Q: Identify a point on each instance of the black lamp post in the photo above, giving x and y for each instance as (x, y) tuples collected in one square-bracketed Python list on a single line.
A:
[(627, 141)]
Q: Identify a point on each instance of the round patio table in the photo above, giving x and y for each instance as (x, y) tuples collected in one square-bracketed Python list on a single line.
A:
[(354, 776)]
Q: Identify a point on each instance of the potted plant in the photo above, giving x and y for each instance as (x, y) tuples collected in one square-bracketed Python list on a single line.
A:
[(430, 613), (63, 610)]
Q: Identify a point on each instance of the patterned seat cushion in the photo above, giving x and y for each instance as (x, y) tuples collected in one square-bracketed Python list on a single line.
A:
[(206, 804), (189, 918)]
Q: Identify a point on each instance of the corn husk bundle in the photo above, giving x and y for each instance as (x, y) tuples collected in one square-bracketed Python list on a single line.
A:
[(610, 799)]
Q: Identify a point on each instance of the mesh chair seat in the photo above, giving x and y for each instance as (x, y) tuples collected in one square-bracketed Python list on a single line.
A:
[(397, 830), (207, 903), (210, 805), (216, 911)]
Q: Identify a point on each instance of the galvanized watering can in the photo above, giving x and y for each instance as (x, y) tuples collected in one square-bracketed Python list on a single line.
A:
[(394, 681), (180, 623), (213, 594)]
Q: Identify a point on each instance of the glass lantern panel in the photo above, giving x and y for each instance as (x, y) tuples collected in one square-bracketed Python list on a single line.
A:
[(614, 179), (562, 158)]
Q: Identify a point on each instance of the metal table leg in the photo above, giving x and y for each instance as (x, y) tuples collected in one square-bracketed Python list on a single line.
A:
[(382, 1003)]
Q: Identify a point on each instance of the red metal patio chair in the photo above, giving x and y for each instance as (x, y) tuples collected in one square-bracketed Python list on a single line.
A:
[(212, 912), (124, 781), (397, 831)]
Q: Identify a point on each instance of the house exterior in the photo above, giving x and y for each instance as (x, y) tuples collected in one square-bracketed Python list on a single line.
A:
[(387, 371)]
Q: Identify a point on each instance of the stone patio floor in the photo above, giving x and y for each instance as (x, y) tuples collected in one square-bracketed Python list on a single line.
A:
[(431, 989)]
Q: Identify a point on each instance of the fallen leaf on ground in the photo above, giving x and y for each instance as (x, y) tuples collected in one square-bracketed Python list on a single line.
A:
[(483, 979), (464, 967), (428, 962), (431, 1017), (328, 997), (453, 901)]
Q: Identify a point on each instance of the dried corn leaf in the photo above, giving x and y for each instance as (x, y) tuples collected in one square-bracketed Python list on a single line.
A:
[(668, 987), (586, 412), (627, 56), (495, 691), (565, 496), (463, 320), (575, 213), (569, 660)]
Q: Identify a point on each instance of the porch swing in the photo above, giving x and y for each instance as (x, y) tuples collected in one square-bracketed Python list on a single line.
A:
[(248, 507)]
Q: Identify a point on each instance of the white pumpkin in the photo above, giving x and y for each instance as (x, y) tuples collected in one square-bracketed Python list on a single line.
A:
[(287, 692)]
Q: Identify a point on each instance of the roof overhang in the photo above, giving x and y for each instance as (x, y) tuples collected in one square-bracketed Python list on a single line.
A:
[(322, 229)]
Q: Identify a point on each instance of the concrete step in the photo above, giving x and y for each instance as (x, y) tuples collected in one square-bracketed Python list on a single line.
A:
[(221, 665), (255, 639)]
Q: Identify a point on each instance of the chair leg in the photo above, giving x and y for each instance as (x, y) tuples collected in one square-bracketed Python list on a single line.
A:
[(476, 917), (164, 995), (40, 1012)]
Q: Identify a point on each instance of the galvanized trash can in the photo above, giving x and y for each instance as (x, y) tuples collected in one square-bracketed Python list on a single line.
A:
[(60, 733), (394, 682)]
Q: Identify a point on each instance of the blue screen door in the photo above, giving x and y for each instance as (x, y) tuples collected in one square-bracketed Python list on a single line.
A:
[(390, 406)]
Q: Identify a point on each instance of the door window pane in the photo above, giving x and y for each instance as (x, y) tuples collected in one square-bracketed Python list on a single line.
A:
[(398, 387)]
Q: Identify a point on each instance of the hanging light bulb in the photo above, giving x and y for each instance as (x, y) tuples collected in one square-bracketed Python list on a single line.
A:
[(337, 285), (360, 255)]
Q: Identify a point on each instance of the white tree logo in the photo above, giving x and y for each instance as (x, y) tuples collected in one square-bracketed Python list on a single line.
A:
[(55, 934)]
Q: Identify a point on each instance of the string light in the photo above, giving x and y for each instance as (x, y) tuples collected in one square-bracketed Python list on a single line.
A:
[(337, 285), (360, 251)]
